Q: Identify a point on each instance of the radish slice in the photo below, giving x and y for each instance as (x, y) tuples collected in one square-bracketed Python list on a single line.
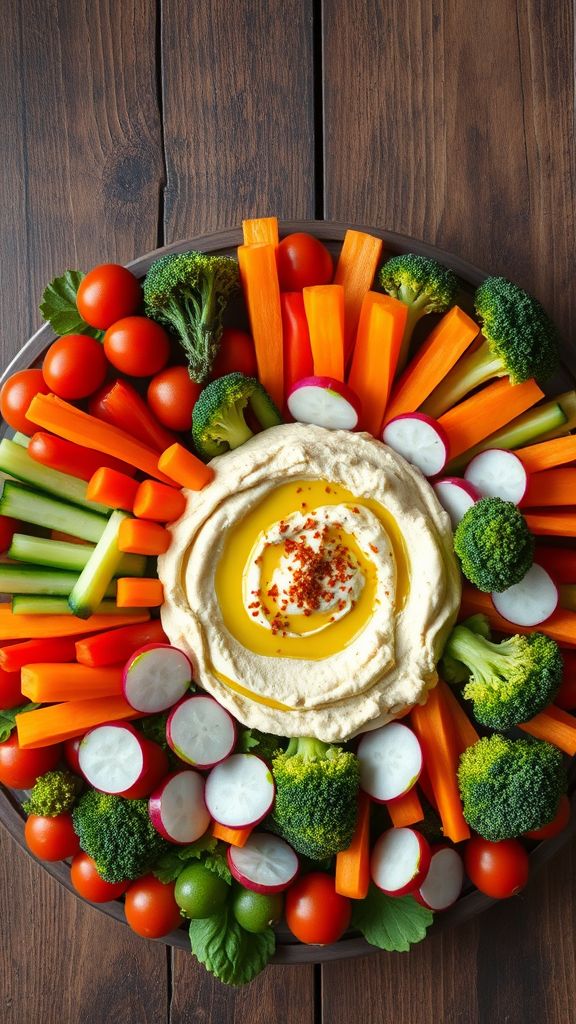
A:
[(240, 791), (177, 808), (324, 401), (400, 861), (420, 439), (390, 761), (156, 677), (456, 496), (443, 883), (111, 758), (156, 761), (200, 731), (529, 602), (497, 473), (265, 863)]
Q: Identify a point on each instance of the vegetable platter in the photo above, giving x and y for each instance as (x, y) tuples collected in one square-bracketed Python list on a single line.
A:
[(471, 901)]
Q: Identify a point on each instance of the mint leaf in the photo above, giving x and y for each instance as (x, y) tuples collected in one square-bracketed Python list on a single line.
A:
[(170, 864), (58, 306), (393, 923), (8, 719), (230, 953)]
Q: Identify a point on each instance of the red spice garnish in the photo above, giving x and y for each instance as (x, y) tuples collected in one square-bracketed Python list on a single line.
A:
[(373, 548)]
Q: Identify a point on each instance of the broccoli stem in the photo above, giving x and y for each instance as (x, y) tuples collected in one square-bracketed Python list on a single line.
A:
[(484, 658), (197, 336), (307, 747), (233, 426), (417, 306), (470, 371)]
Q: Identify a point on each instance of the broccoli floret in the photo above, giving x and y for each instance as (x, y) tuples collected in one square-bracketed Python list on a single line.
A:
[(316, 797), (188, 292), (509, 682), (118, 834), (494, 545), (520, 341), (218, 422), (53, 793), (424, 285), (509, 787)]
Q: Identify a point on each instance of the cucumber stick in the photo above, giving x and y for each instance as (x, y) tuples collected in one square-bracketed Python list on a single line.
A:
[(38, 604), (16, 462), (60, 554), (22, 439), (538, 424), (42, 510), (32, 579), (99, 570)]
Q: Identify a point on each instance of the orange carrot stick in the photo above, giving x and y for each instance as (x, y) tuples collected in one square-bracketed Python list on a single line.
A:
[(554, 725), (434, 726), (184, 469), (466, 734), (58, 722), (139, 593), (439, 353), (551, 488), (353, 864), (47, 683), (552, 524), (259, 278), (559, 562), (67, 421), (548, 454), (32, 627), (324, 305), (376, 350), (158, 502), (260, 231), (111, 488), (406, 809), (233, 836), (485, 412), (561, 626), (355, 270), (138, 537)]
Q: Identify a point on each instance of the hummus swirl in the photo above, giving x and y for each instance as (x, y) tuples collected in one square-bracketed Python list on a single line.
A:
[(312, 583)]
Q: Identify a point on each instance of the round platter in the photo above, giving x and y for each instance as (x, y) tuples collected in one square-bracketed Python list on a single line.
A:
[(472, 902)]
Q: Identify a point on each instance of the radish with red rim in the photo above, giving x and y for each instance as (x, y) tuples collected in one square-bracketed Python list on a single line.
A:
[(266, 863), (240, 791), (114, 758), (200, 731), (421, 440), (443, 883), (529, 602), (497, 473), (177, 807), (156, 677), (156, 768), (456, 496), (390, 761), (400, 861), (325, 402)]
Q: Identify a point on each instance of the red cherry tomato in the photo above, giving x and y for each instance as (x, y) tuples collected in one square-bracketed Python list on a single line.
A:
[(558, 823), (137, 346), (499, 869), (8, 527), (172, 396), (10, 692), (236, 353), (74, 366), (150, 907), (107, 293), (71, 754), (86, 880), (15, 397), (51, 838), (302, 261), (20, 768), (315, 912)]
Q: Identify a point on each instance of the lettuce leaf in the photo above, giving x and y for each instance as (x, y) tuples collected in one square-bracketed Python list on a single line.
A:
[(393, 923), (229, 952), (58, 306)]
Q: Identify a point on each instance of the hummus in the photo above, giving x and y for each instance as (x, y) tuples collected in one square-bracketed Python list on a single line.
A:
[(312, 583)]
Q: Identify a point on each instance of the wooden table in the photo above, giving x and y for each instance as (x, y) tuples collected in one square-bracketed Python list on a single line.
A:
[(129, 124)]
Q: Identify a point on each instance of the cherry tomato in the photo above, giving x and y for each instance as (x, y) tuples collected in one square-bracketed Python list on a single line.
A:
[(10, 692), (15, 397), (302, 261), (86, 880), (107, 293), (8, 527), (558, 823), (236, 353), (137, 346), (74, 366), (20, 768), (496, 869), (51, 838), (150, 907), (315, 912), (71, 757), (172, 396)]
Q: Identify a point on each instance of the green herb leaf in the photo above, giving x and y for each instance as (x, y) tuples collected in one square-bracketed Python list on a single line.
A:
[(58, 306), (247, 742), (170, 864), (391, 922), (230, 953), (8, 719), (218, 864)]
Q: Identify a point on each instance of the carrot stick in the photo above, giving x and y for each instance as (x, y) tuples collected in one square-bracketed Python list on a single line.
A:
[(426, 786), (70, 458), (487, 411), (548, 454), (567, 593), (13, 658), (233, 836), (116, 490), (59, 722), (120, 404), (184, 469), (66, 421), (559, 562), (552, 487), (554, 725), (376, 350), (439, 353), (355, 270), (138, 537), (47, 682), (434, 726), (406, 810), (139, 593), (324, 305), (259, 276), (158, 502), (353, 864), (566, 696), (115, 646), (32, 627), (552, 524), (260, 231), (466, 734), (561, 626)]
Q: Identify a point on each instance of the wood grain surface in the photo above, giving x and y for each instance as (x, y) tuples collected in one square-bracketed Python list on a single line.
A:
[(127, 125)]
